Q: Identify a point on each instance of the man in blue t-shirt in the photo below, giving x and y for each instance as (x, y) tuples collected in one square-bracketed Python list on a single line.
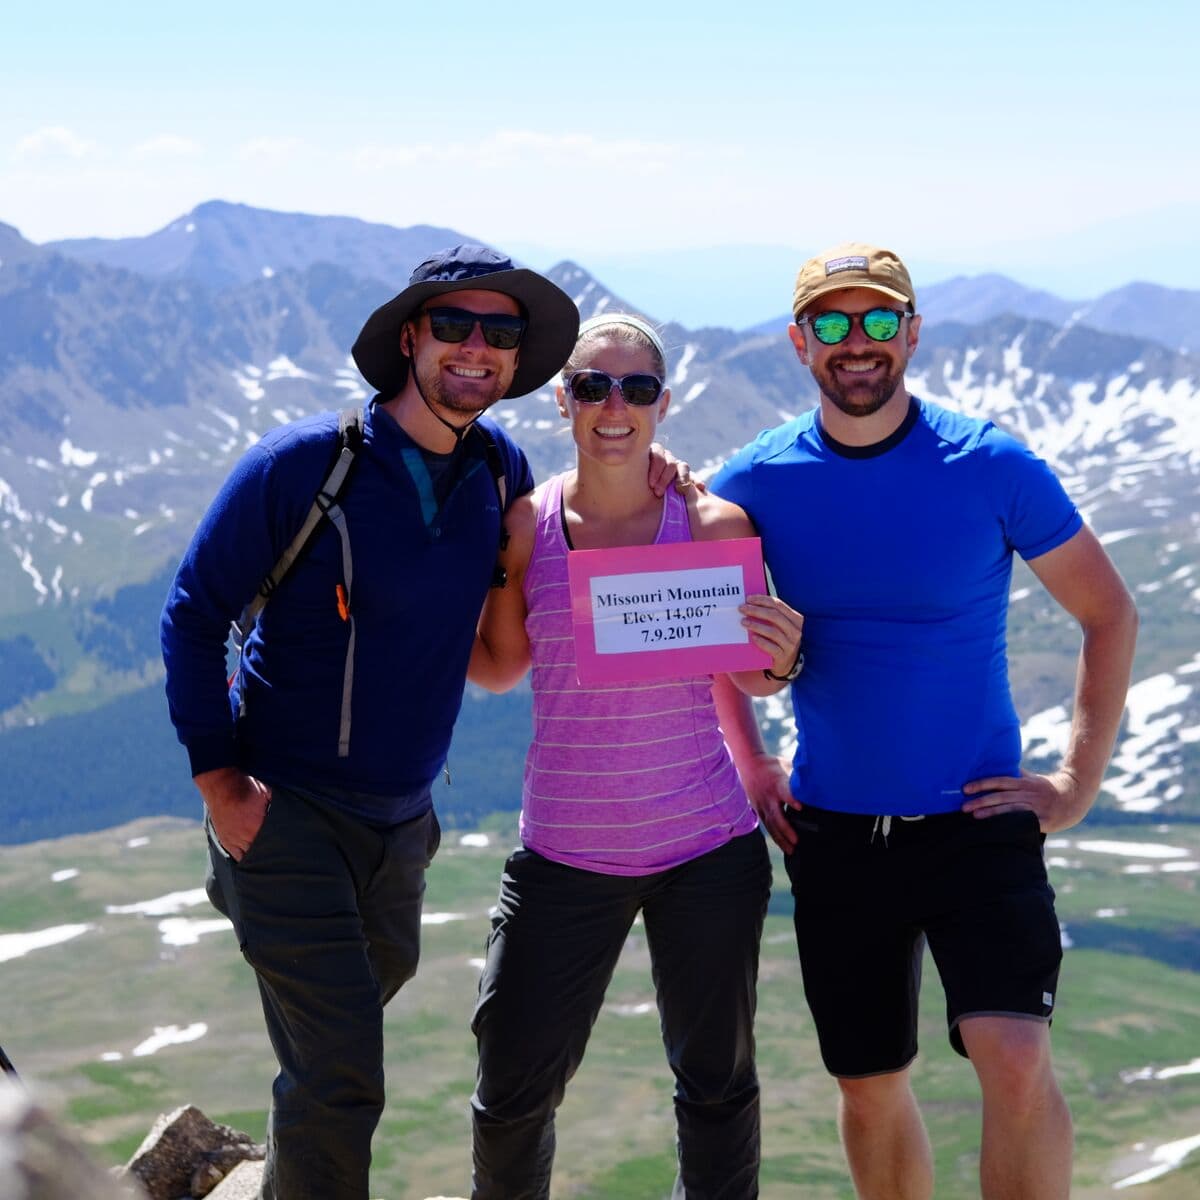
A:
[(891, 523)]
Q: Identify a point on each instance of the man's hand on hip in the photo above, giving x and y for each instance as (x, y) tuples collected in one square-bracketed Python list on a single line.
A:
[(1057, 799)]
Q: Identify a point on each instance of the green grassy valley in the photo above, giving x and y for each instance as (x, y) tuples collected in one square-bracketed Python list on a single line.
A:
[(80, 1018)]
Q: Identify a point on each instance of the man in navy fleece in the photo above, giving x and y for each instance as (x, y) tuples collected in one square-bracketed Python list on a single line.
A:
[(891, 524), (315, 768)]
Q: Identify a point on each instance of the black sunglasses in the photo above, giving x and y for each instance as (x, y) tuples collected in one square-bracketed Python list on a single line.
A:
[(501, 331), (593, 387), (879, 324)]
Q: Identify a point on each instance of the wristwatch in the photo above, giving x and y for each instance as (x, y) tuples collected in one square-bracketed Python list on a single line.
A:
[(797, 667)]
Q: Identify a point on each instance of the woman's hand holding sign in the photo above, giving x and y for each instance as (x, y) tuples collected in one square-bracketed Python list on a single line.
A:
[(776, 628)]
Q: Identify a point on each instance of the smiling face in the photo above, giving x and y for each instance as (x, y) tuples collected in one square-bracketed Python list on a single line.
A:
[(467, 377), (858, 376), (614, 432)]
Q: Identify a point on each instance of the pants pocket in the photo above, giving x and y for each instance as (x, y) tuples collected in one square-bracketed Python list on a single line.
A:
[(435, 837), (220, 886)]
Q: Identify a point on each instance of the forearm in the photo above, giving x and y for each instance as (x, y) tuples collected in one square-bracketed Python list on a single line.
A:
[(220, 787), (1101, 683), (500, 656), (739, 723), (497, 670), (763, 775)]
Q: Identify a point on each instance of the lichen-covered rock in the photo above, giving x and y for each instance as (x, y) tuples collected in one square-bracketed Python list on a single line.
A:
[(184, 1148), (214, 1165), (240, 1184)]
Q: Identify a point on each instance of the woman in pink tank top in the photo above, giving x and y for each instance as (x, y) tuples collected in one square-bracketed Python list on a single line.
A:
[(631, 804)]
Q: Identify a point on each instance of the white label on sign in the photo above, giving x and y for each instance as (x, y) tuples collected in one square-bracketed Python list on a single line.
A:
[(663, 610)]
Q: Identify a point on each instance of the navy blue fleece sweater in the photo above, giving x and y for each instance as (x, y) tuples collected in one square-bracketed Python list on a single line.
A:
[(420, 574)]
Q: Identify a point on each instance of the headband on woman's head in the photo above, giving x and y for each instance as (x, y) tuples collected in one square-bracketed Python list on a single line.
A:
[(647, 331)]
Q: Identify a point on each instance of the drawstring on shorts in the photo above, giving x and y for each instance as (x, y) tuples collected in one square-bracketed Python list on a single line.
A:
[(883, 825)]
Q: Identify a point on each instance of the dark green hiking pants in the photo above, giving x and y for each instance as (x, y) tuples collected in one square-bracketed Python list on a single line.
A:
[(327, 910)]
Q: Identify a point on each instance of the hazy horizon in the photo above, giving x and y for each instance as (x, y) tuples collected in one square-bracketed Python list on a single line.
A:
[(1047, 144)]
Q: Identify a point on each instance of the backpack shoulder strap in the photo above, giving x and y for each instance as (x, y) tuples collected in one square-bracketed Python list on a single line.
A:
[(495, 465), (332, 489)]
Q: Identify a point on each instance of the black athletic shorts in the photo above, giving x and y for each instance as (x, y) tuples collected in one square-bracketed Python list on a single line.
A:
[(869, 892)]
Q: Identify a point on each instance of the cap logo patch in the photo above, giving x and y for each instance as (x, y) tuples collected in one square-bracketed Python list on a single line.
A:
[(851, 262)]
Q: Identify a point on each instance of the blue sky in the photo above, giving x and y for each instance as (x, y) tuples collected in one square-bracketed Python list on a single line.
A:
[(1055, 143)]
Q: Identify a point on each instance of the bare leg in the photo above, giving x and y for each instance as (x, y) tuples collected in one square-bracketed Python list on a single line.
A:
[(884, 1138), (1027, 1136)]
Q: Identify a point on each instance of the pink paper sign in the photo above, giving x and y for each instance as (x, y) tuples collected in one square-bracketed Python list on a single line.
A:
[(664, 612)]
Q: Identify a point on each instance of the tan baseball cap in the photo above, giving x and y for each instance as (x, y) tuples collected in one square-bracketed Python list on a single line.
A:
[(853, 264)]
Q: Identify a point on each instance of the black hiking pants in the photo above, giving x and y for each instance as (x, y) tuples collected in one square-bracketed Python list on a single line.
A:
[(556, 937)]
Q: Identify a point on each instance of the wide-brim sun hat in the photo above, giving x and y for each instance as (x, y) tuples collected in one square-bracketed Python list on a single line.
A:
[(553, 319)]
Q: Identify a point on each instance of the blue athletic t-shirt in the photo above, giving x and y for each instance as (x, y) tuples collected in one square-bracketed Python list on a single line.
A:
[(899, 556)]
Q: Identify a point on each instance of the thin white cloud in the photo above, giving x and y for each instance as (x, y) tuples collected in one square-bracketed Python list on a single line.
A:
[(521, 147), (270, 150), (55, 141), (386, 158), (509, 144), (166, 145)]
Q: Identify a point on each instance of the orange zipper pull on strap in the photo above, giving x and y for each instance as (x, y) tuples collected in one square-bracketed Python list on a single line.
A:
[(343, 603)]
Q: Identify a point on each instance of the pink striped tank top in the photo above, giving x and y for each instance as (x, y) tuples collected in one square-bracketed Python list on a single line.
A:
[(623, 779)]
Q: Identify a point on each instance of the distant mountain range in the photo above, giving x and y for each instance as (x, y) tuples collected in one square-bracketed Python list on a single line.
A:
[(133, 373), (1170, 316), (220, 245)]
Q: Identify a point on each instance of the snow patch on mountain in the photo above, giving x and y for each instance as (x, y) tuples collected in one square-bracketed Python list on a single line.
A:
[(16, 945), (282, 367), (1146, 768), (72, 456)]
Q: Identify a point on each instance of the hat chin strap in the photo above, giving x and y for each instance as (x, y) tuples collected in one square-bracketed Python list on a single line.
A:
[(459, 431)]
